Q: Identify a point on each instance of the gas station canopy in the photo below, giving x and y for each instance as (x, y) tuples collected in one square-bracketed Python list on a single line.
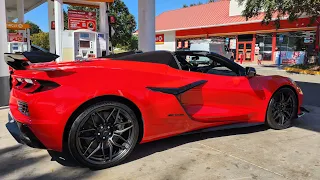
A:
[(11, 7), (12, 13)]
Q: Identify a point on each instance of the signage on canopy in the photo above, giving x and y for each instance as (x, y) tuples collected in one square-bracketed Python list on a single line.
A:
[(159, 38), (82, 20), (17, 26)]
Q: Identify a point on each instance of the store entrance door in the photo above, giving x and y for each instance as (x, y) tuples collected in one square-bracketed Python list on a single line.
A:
[(244, 48)]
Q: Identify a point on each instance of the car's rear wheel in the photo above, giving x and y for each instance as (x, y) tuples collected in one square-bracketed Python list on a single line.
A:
[(282, 109), (103, 135)]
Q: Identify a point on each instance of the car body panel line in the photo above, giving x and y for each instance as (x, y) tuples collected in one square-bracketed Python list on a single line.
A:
[(178, 90)]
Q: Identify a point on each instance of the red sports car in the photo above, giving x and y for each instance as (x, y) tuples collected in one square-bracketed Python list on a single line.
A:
[(98, 110)]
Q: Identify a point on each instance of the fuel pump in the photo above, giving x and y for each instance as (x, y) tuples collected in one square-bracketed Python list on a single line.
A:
[(85, 44), (19, 40), (82, 44)]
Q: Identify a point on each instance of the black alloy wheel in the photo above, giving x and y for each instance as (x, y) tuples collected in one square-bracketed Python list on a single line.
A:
[(103, 135), (282, 109)]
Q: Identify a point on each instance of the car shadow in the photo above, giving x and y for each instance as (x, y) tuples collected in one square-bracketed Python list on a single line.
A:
[(21, 162), (147, 149), (143, 150), (311, 93)]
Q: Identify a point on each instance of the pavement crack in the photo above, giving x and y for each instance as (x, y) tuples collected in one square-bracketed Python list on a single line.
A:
[(243, 160)]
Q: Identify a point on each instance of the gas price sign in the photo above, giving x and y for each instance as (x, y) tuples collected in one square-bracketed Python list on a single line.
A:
[(82, 20)]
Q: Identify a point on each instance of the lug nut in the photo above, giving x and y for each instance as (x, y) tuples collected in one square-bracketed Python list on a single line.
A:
[(104, 138), (98, 134)]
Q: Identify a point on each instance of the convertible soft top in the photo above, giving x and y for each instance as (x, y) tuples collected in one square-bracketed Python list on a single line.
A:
[(160, 57)]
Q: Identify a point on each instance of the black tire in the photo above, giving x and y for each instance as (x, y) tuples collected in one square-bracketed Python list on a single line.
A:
[(282, 109), (103, 128)]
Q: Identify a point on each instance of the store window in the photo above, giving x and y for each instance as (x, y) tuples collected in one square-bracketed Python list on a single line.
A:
[(264, 42), (295, 41)]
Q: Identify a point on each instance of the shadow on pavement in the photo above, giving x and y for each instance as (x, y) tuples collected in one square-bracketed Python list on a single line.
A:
[(311, 92), (147, 149), (21, 162), (143, 150)]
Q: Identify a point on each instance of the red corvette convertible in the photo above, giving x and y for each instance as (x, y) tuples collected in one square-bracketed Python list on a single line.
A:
[(98, 110)]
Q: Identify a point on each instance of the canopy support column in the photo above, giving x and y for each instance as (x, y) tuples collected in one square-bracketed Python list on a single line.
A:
[(146, 13), (4, 70), (58, 27), (104, 24)]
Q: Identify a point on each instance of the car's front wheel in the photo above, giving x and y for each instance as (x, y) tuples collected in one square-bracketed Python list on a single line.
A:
[(282, 109), (103, 135)]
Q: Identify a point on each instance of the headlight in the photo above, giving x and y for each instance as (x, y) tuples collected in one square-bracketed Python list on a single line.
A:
[(296, 86)]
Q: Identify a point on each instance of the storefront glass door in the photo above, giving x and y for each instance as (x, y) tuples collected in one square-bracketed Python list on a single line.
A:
[(244, 48)]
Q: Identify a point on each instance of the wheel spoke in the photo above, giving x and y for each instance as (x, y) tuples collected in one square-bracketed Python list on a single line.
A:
[(288, 100), (102, 149), (110, 150), (282, 119), (103, 120), (116, 144), (123, 130), (93, 122), (276, 115), (87, 130), (123, 123), (94, 151), (286, 114), (122, 139), (110, 114), (91, 138), (117, 117), (88, 148)]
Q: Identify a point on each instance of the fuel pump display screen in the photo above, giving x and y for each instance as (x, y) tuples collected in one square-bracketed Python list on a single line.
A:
[(84, 44), (84, 35)]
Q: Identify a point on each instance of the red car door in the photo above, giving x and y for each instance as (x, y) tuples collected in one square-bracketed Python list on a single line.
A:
[(225, 96)]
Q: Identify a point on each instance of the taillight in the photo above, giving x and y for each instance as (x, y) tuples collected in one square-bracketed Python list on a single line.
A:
[(32, 85)]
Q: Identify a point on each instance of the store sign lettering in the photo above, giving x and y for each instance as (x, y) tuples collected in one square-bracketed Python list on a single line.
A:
[(159, 39)]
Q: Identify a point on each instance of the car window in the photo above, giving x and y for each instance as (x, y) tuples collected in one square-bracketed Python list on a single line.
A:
[(199, 60), (220, 68)]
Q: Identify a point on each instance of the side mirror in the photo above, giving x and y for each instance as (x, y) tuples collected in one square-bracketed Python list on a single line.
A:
[(250, 72)]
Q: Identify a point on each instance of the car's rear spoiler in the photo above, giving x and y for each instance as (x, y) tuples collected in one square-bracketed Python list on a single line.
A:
[(19, 61)]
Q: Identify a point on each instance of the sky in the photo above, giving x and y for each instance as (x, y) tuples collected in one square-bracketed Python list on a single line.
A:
[(39, 15)]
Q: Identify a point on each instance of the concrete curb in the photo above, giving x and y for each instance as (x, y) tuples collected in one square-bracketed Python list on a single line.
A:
[(4, 107), (301, 71)]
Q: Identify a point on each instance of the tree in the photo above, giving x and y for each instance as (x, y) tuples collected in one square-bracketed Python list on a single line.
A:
[(133, 44), (195, 4), (34, 29), (65, 18), (125, 22), (41, 39), (293, 8)]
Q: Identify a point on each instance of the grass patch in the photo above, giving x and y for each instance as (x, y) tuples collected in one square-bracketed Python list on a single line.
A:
[(311, 67)]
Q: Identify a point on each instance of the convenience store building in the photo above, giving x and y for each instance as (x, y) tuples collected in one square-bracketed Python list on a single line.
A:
[(221, 22)]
